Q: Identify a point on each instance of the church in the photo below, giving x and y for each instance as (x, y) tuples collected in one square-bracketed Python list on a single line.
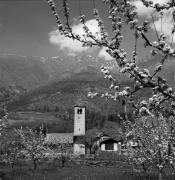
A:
[(77, 138)]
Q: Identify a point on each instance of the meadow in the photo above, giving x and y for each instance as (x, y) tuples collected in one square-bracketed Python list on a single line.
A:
[(52, 170)]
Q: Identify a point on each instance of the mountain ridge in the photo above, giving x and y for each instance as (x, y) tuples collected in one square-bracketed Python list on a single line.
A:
[(31, 72)]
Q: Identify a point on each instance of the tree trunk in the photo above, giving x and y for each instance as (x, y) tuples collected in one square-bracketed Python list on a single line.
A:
[(12, 165), (90, 149), (125, 111), (35, 164), (63, 160), (160, 174), (144, 167)]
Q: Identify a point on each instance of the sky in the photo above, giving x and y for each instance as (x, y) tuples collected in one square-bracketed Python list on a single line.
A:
[(27, 27)]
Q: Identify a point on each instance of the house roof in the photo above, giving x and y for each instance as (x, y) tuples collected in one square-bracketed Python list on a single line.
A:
[(116, 137), (59, 138), (109, 140)]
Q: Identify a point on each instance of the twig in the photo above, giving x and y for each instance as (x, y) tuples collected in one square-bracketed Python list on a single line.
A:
[(155, 27)]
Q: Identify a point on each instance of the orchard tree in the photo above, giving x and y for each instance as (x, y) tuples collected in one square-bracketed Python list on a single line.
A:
[(33, 145), (11, 153), (3, 119), (65, 151), (91, 137), (3, 122), (153, 136)]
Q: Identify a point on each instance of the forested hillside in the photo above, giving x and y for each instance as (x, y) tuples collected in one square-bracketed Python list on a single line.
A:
[(62, 83)]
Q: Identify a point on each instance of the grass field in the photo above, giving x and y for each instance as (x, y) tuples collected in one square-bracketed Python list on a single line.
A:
[(51, 170), (33, 119)]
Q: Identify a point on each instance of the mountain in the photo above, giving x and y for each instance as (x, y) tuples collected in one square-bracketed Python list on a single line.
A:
[(31, 72), (63, 67), (70, 65), (68, 78), (27, 72)]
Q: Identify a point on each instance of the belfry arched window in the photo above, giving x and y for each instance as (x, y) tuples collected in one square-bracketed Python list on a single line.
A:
[(79, 111)]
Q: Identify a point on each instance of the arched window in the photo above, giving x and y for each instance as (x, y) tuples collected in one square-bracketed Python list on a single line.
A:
[(79, 111)]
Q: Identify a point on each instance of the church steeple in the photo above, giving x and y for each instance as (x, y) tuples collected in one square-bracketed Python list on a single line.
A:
[(79, 121)]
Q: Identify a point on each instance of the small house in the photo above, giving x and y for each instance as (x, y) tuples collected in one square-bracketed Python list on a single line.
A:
[(107, 143)]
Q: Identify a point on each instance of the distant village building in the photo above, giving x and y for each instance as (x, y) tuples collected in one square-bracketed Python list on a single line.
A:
[(59, 143), (59, 138)]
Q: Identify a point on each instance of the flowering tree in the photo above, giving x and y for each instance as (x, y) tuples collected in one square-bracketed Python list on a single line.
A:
[(65, 150), (153, 136), (121, 12), (3, 120), (162, 98), (11, 153), (91, 137), (33, 143)]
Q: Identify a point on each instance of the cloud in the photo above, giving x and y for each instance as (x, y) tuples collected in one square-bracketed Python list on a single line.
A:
[(73, 45), (167, 18), (104, 54), (167, 22), (146, 11), (141, 9)]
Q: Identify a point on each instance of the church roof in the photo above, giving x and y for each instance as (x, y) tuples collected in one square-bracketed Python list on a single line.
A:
[(59, 138)]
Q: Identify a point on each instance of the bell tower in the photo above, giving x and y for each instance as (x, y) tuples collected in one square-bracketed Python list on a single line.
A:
[(79, 121), (79, 129)]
